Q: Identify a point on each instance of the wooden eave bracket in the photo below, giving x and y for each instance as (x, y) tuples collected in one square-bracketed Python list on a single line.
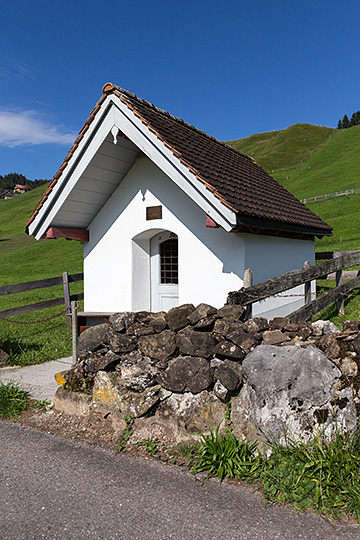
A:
[(82, 235), (211, 223)]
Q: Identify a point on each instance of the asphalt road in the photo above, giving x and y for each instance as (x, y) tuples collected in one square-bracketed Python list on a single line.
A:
[(56, 488)]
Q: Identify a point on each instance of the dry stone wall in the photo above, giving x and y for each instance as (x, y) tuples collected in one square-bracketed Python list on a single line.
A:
[(181, 371)]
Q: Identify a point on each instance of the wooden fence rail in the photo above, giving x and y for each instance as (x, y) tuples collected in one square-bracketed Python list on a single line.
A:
[(250, 295), (64, 280), (331, 195)]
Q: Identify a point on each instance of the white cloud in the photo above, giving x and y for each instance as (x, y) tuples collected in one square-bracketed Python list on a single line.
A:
[(29, 127)]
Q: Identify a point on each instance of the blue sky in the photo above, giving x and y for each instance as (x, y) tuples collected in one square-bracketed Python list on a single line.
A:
[(231, 68)]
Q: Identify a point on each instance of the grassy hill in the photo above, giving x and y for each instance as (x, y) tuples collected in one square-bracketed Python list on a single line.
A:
[(334, 167), (23, 259), (309, 161), (285, 149)]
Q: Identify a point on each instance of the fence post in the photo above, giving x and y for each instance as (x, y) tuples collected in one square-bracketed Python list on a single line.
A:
[(65, 279), (74, 321), (307, 286), (248, 281), (340, 303)]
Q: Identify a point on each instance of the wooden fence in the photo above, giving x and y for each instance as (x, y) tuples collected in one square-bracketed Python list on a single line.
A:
[(65, 300), (338, 261), (330, 195), (334, 266)]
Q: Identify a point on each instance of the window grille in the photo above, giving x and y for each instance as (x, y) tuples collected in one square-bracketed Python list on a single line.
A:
[(169, 261)]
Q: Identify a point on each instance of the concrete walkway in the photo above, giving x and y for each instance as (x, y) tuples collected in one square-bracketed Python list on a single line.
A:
[(39, 379)]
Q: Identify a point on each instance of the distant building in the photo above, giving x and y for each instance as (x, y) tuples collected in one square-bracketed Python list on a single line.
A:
[(7, 194), (20, 188)]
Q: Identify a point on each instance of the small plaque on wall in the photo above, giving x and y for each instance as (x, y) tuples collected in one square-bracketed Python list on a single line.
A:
[(153, 212)]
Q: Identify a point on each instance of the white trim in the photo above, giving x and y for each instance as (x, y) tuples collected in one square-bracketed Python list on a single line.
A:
[(72, 165), (164, 158), (119, 115), (68, 180)]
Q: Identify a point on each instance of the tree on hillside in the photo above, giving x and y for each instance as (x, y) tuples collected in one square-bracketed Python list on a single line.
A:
[(355, 119), (346, 123), (9, 181)]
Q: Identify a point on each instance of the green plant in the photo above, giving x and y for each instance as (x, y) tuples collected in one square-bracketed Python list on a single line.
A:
[(228, 414), (125, 434), (13, 400), (322, 474), (224, 455), (183, 454), (150, 445), (42, 405)]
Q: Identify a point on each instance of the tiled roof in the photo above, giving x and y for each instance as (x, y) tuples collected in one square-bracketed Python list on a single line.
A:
[(234, 178)]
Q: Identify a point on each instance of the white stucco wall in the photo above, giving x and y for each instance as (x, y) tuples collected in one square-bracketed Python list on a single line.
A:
[(211, 261), (271, 256)]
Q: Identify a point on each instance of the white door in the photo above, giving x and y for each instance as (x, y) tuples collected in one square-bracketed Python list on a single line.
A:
[(164, 271)]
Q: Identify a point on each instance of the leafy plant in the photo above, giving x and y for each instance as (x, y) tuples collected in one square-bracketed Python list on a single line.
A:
[(183, 454), (13, 400), (125, 434), (42, 405), (224, 455), (323, 474), (151, 446)]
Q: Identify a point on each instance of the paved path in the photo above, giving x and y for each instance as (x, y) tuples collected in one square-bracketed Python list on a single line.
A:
[(38, 379), (55, 488)]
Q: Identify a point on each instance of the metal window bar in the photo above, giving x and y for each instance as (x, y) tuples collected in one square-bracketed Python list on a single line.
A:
[(169, 261)]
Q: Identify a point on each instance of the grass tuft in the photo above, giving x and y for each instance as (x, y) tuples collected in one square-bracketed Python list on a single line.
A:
[(224, 455), (323, 474), (13, 401)]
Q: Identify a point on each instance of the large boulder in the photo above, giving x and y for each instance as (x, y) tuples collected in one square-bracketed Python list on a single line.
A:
[(109, 393), (223, 327), (203, 311), (294, 393), (229, 350), (120, 343), (120, 322), (137, 372), (243, 419), (99, 362)]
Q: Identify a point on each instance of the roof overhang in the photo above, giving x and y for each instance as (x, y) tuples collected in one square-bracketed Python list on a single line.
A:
[(248, 224), (77, 193)]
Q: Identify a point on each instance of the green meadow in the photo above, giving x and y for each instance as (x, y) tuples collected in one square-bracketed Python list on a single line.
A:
[(24, 259), (283, 150)]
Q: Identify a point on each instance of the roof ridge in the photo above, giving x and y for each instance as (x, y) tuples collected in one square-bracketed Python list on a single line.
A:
[(110, 87)]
